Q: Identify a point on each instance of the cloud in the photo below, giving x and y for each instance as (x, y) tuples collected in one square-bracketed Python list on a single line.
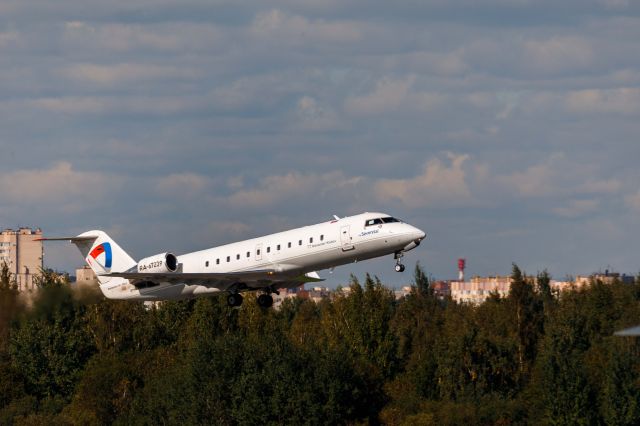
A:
[(294, 29), (160, 36), (558, 54), (264, 116), (576, 208), (59, 186), (9, 38), (439, 185), (633, 201), (117, 105), (391, 95), (624, 101), (125, 73), (557, 175), (440, 63), (182, 185), (276, 189), (314, 117), (228, 228)]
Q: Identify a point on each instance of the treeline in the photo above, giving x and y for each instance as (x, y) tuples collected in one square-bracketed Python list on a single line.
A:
[(360, 358)]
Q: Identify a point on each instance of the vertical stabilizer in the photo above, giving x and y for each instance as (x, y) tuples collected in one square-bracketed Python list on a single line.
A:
[(103, 255)]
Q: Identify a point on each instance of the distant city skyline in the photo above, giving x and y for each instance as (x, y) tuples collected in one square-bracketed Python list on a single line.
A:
[(508, 131)]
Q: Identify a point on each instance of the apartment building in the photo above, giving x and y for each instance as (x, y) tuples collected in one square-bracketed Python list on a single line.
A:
[(22, 251)]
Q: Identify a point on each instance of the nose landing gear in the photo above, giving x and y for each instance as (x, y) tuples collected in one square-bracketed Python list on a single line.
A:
[(399, 266)]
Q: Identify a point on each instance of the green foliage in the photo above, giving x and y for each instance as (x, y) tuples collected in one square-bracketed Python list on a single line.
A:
[(527, 311), (421, 281), (10, 304), (51, 343), (361, 357)]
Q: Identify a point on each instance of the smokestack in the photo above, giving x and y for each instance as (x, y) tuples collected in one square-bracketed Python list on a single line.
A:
[(461, 265)]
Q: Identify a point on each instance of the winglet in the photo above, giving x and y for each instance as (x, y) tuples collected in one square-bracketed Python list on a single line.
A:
[(312, 277)]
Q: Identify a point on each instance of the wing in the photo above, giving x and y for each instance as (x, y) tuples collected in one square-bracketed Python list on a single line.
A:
[(261, 277)]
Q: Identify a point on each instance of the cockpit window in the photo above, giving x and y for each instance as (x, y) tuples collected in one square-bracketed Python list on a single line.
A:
[(371, 222), (390, 220)]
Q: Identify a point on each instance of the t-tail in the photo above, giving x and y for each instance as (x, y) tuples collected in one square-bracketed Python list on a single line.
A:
[(103, 255)]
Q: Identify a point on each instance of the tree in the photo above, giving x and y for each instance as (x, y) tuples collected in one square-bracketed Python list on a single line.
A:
[(528, 315), (50, 345), (421, 281), (621, 387), (543, 282), (10, 304)]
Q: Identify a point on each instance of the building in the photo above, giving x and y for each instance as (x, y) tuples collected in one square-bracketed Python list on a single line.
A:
[(22, 251), (478, 289), (403, 292), (607, 277), (317, 293), (441, 289), (86, 277)]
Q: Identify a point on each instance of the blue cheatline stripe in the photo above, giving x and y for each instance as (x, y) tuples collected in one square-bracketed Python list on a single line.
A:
[(108, 255)]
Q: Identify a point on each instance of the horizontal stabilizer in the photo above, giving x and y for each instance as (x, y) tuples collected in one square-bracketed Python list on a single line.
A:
[(72, 239)]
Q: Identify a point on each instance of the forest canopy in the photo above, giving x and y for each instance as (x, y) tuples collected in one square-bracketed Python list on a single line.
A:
[(534, 357)]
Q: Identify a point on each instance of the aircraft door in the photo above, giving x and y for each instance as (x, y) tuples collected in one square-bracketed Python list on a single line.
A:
[(259, 251), (345, 238)]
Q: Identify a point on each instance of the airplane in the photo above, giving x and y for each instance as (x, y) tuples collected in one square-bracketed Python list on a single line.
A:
[(278, 261)]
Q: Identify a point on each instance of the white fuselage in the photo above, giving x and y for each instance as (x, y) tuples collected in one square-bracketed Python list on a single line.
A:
[(290, 253)]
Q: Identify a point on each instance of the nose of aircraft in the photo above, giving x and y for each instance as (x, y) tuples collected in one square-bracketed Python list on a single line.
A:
[(419, 234)]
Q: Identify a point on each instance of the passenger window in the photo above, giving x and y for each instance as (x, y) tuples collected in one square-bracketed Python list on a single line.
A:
[(268, 249), (258, 252), (237, 256), (248, 254), (228, 259), (288, 245), (217, 261), (206, 263), (311, 240), (321, 237), (278, 247), (299, 242)]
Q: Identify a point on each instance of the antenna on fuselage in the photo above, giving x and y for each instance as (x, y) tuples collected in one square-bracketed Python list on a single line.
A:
[(336, 217)]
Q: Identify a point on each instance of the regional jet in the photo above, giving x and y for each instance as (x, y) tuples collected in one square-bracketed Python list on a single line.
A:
[(265, 264)]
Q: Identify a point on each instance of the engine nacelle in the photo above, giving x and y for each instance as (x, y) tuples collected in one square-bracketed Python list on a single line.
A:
[(158, 264)]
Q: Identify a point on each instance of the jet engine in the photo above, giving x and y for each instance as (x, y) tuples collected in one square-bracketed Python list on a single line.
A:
[(158, 264)]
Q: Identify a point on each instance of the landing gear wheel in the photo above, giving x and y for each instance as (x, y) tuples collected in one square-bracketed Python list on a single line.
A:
[(234, 299), (265, 301), (399, 267)]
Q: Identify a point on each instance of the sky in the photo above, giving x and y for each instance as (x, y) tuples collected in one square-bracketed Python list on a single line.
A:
[(506, 130)]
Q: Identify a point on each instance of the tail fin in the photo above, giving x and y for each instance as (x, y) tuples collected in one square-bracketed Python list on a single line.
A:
[(102, 254)]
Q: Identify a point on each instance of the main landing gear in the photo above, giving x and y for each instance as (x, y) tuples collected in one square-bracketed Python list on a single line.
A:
[(265, 301), (234, 299), (399, 266)]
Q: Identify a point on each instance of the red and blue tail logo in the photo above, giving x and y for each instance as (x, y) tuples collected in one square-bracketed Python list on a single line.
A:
[(102, 254)]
